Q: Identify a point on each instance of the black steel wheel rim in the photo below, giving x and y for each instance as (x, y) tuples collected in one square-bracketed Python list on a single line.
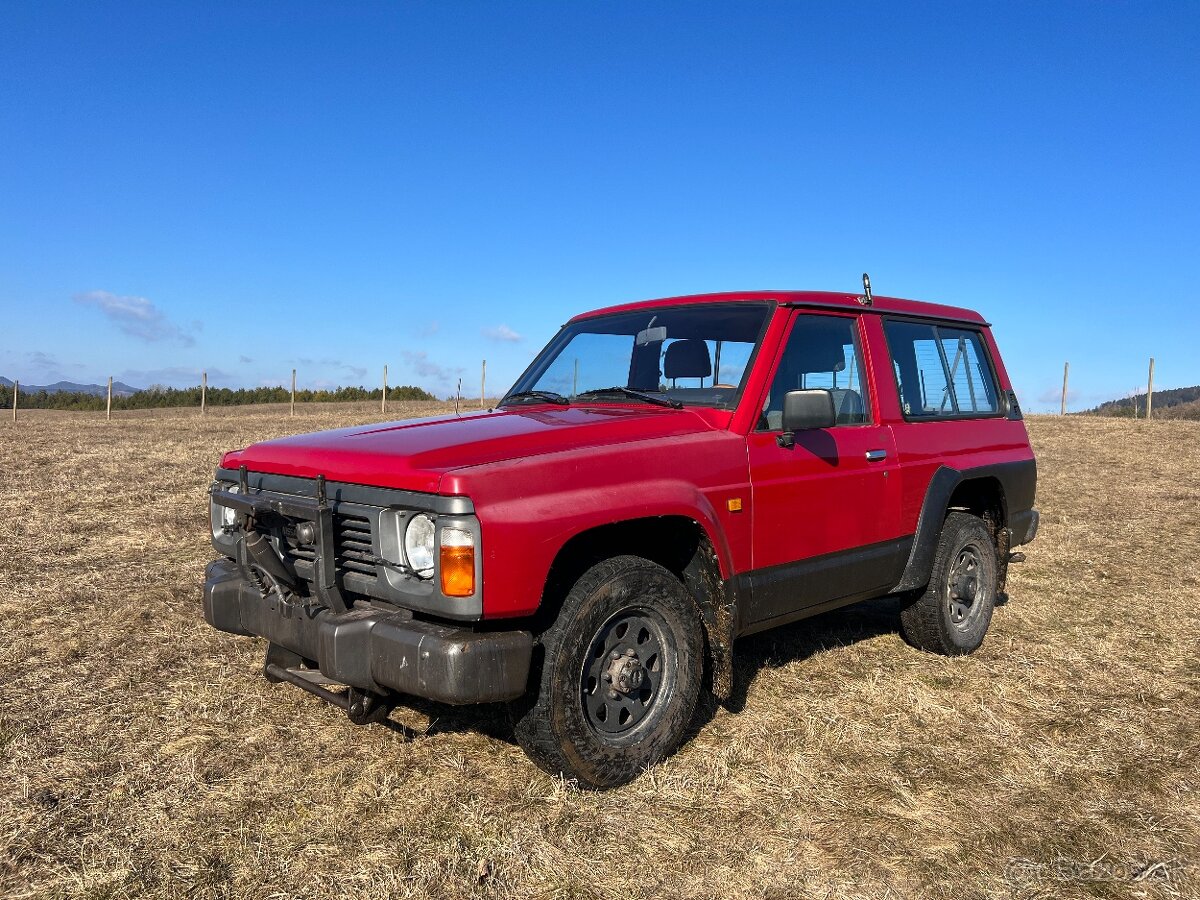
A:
[(966, 587), (623, 672)]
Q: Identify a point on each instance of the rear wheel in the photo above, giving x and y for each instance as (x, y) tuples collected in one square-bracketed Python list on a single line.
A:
[(620, 675), (953, 614)]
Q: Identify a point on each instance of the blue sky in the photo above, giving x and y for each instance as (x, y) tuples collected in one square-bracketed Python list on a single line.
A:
[(251, 187)]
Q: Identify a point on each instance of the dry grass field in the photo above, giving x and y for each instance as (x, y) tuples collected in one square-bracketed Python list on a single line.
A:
[(142, 754)]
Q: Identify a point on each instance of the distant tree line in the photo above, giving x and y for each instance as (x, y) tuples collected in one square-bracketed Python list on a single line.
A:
[(157, 396), (1174, 403)]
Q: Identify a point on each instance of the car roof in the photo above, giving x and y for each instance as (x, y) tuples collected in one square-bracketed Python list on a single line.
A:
[(818, 299)]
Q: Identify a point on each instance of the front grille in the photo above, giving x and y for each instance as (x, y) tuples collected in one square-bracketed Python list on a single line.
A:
[(352, 547), (352, 544)]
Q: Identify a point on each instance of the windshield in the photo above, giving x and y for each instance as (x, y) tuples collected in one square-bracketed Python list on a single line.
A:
[(694, 355)]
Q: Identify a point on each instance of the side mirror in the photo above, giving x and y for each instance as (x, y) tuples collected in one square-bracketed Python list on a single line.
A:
[(806, 410)]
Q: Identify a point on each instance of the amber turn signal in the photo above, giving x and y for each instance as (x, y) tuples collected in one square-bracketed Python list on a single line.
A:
[(457, 563)]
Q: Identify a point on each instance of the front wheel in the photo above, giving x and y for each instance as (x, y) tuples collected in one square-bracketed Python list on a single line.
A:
[(953, 614), (620, 675)]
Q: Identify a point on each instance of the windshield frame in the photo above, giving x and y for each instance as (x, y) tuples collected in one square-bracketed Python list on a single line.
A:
[(550, 352)]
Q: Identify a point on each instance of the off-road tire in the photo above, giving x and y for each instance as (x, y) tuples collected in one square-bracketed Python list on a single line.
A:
[(557, 723), (929, 623)]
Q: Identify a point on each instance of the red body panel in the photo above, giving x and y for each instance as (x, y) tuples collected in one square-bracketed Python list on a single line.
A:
[(822, 495), (414, 454), (923, 447), (926, 446), (540, 474), (529, 508), (850, 302)]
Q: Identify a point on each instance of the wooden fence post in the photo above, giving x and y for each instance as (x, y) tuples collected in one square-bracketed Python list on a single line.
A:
[(16, 392), (383, 402), (203, 392), (1066, 367), (457, 396), (293, 392), (108, 409), (1150, 390), (482, 384)]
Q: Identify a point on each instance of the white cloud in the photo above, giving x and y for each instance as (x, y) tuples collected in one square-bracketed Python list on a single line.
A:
[(48, 362), (419, 362), (327, 362), (136, 316), (1053, 395), (501, 333)]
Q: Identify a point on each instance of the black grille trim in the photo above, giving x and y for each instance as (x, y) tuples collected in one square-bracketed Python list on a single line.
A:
[(353, 542)]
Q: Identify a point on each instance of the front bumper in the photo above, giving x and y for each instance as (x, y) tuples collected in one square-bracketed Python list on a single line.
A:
[(375, 650)]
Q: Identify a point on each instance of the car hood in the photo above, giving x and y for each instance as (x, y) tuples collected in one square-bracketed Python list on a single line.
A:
[(414, 454)]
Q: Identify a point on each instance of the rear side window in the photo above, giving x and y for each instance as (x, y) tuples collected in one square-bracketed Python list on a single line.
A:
[(942, 371)]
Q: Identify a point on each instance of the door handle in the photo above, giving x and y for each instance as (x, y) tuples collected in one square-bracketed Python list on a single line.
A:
[(876, 455)]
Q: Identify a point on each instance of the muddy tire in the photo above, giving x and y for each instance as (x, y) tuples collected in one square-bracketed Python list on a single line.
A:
[(953, 614), (619, 678)]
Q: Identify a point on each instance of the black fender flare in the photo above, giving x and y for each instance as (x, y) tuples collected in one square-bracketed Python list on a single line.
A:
[(717, 599), (1018, 482)]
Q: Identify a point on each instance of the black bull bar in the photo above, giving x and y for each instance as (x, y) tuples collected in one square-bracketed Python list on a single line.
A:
[(379, 651), (256, 549)]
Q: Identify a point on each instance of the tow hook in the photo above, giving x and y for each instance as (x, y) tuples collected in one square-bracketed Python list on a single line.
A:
[(361, 707), (365, 708)]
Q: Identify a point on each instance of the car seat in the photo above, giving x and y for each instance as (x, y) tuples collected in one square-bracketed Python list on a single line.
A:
[(687, 358)]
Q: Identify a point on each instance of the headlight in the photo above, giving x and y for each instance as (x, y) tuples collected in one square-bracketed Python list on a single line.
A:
[(229, 516), (222, 516), (418, 544)]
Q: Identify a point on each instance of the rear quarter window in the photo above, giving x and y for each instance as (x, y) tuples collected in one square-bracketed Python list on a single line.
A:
[(942, 371)]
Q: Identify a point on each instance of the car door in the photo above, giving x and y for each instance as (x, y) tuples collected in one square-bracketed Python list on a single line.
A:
[(825, 510)]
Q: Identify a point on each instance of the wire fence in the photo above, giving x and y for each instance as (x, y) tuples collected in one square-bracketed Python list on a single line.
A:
[(1145, 412), (202, 397)]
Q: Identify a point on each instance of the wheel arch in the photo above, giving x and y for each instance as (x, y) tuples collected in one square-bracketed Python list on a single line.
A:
[(680, 544), (982, 496), (985, 491)]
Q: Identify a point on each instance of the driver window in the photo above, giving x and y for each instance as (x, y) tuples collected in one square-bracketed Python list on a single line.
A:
[(821, 352)]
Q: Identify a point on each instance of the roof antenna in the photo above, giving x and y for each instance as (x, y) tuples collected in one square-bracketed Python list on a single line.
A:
[(865, 300)]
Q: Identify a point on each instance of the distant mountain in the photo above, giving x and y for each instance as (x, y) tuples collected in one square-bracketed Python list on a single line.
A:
[(120, 389), (1176, 403)]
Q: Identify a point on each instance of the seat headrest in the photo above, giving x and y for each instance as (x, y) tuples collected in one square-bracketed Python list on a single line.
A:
[(687, 359), (848, 404), (822, 356)]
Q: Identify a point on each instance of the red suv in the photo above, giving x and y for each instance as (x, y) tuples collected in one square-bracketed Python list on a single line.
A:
[(665, 477)]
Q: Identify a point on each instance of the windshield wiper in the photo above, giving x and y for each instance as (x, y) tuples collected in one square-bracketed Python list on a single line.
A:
[(547, 396), (636, 395)]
